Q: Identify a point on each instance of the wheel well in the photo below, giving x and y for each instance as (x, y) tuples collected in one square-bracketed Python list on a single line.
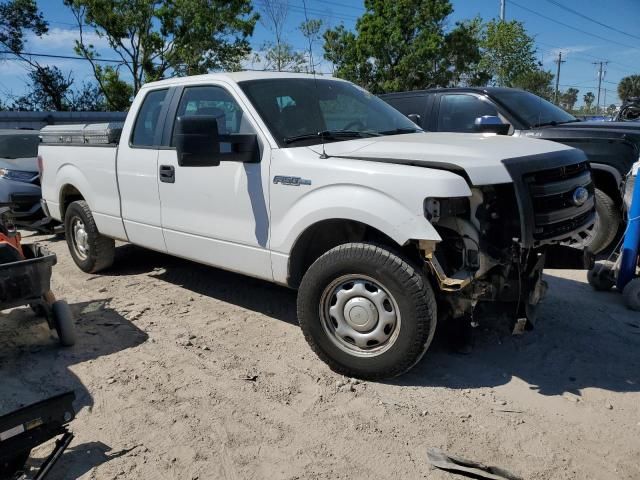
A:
[(321, 237), (606, 182), (68, 194)]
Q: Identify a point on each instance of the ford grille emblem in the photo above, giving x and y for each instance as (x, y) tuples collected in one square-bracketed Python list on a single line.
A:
[(580, 196)]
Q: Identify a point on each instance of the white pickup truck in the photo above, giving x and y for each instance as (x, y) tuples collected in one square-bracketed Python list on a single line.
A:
[(318, 185)]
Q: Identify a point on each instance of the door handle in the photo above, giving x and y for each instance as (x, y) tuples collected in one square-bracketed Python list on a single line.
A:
[(167, 174)]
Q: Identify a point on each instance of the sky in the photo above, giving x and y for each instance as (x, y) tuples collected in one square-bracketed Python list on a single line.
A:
[(596, 31)]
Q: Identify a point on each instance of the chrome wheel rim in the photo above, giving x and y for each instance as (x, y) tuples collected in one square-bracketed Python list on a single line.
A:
[(359, 315), (80, 238)]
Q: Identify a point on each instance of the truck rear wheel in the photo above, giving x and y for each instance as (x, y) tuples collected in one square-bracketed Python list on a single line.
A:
[(366, 312), (91, 251)]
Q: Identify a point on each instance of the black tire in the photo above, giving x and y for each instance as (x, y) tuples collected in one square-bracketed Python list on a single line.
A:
[(631, 294), (63, 323), (601, 277), (99, 250), (407, 287), (607, 222)]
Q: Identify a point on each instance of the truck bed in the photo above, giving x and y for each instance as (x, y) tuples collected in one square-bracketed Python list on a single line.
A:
[(96, 179)]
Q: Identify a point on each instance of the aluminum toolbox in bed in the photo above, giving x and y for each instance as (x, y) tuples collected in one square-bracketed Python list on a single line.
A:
[(102, 133), (62, 134), (85, 134)]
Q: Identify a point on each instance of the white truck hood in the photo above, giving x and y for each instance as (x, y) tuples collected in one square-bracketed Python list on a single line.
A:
[(479, 155)]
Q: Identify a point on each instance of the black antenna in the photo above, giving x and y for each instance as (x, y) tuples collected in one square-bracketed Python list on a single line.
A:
[(313, 71)]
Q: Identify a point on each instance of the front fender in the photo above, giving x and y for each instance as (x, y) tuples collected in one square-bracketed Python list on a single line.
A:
[(352, 202)]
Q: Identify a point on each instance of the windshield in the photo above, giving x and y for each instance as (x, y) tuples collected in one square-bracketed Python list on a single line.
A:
[(301, 111), (18, 145), (531, 109)]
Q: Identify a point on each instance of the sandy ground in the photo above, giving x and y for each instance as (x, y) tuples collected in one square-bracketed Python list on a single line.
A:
[(166, 347)]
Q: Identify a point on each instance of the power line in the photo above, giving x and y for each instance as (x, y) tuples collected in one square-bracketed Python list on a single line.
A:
[(587, 55), (49, 55), (337, 4), (572, 27), (564, 7)]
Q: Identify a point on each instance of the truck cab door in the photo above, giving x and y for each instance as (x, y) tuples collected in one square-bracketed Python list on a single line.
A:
[(137, 170), (217, 215)]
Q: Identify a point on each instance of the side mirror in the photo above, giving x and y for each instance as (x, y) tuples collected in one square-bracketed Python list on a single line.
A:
[(197, 141), (491, 124), (199, 144), (415, 118)]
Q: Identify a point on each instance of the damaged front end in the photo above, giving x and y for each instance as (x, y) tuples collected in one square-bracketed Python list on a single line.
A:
[(496, 243)]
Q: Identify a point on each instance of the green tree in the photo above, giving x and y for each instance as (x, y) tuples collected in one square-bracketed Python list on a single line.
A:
[(280, 58), (629, 87), (116, 91), (18, 17), (51, 89), (402, 45), (311, 29), (156, 38), (588, 98), (535, 81), (508, 52), (569, 98), (278, 54)]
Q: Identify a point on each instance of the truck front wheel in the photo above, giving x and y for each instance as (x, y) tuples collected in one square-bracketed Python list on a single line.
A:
[(607, 222), (91, 251), (366, 312)]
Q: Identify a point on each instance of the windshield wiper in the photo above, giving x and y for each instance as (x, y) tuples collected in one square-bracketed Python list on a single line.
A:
[(331, 134), (553, 123), (399, 131)]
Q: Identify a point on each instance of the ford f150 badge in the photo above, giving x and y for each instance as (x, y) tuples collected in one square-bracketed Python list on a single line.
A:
[(293, 181)]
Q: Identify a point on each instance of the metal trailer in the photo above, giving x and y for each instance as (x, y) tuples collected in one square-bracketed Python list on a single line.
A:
[(28, 427)]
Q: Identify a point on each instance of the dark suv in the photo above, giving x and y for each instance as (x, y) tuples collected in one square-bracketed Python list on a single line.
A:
[(611, 147)]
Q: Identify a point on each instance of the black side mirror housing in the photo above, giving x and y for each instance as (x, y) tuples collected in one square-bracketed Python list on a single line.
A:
[(491, 124), (199, 144), (415, 118), (197, 141)]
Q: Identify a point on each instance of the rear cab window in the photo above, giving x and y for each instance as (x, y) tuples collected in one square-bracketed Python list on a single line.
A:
[(146, 125)]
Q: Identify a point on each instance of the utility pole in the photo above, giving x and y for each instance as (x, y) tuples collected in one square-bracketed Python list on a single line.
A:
[(600, 75), (503, 6), (559, 61)]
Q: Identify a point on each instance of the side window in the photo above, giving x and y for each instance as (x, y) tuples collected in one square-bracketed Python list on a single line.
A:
[(408, 105), (146, 124), (459, 112), (217, 102)]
